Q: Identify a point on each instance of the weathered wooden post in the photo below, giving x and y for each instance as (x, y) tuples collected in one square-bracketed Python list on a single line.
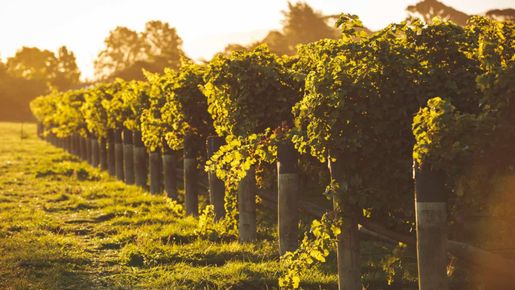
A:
[(140, 160), (156, 172), (170, 172), (54, 140), (39, 131), (287, 197), (83, 148), (128, 157), (348, 243), (75, 144), (431, 220), (95, 158), (102, 149), (91, 148), (247, 207), (111, 168), (216, 186), (67, 144), (50, 137), (87, 139), (190, 176), (64, 143), (72, 144), (118, 154), (78, 145)]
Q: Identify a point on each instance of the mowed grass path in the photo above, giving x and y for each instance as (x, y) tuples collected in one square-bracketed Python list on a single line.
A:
[(66, 225)]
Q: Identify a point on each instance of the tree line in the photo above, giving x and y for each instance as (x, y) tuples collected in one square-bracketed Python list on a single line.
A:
[(33, 71)]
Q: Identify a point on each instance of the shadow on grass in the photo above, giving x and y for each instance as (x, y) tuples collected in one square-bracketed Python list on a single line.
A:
[(43, 262)]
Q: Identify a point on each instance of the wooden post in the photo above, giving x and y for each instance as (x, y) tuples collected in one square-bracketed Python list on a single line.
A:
[(431, 221), (89, 150), (102, 149), (128, 157), (40, 130), (216, 186), (95, 158), (118, 154), (83, 148), (75, 144), (72, 144), (170, 172), (91, 144), (190, 176), (52, 139), (247, 207), (287, 197), (156, 172), (67, 144), (348, 243), (110, 153), (64, 143), (140, 160)]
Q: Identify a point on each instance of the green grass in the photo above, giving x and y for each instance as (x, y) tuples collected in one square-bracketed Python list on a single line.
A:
[(66, 225)]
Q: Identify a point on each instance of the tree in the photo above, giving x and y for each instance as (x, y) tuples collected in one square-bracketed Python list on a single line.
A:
[(303, 25), (15, 95), (428, 9), (502, 14), (123, 48), (232, 47), (67, 73), (33, 64), (32, 72), (127, 52), (162, 44), (277, 42)]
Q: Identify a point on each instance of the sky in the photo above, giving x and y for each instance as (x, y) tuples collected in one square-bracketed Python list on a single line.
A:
[(206, 26)]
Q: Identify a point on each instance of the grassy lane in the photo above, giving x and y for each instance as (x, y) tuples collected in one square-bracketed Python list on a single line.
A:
[(66, 225)]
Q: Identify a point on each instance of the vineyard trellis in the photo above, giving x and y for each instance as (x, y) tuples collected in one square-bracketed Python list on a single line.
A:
[(430, 102)]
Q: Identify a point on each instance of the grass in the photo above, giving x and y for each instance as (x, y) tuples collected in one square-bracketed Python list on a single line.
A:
[(66, 225)]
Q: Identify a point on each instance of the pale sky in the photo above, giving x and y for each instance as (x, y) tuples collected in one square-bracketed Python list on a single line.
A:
[(205, 26)]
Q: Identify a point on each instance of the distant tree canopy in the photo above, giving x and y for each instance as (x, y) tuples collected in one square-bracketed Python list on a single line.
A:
[(502, 14), (32, 72), (31, 63), (428, 9), (67, 73), (301, 24), (127, 52)]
